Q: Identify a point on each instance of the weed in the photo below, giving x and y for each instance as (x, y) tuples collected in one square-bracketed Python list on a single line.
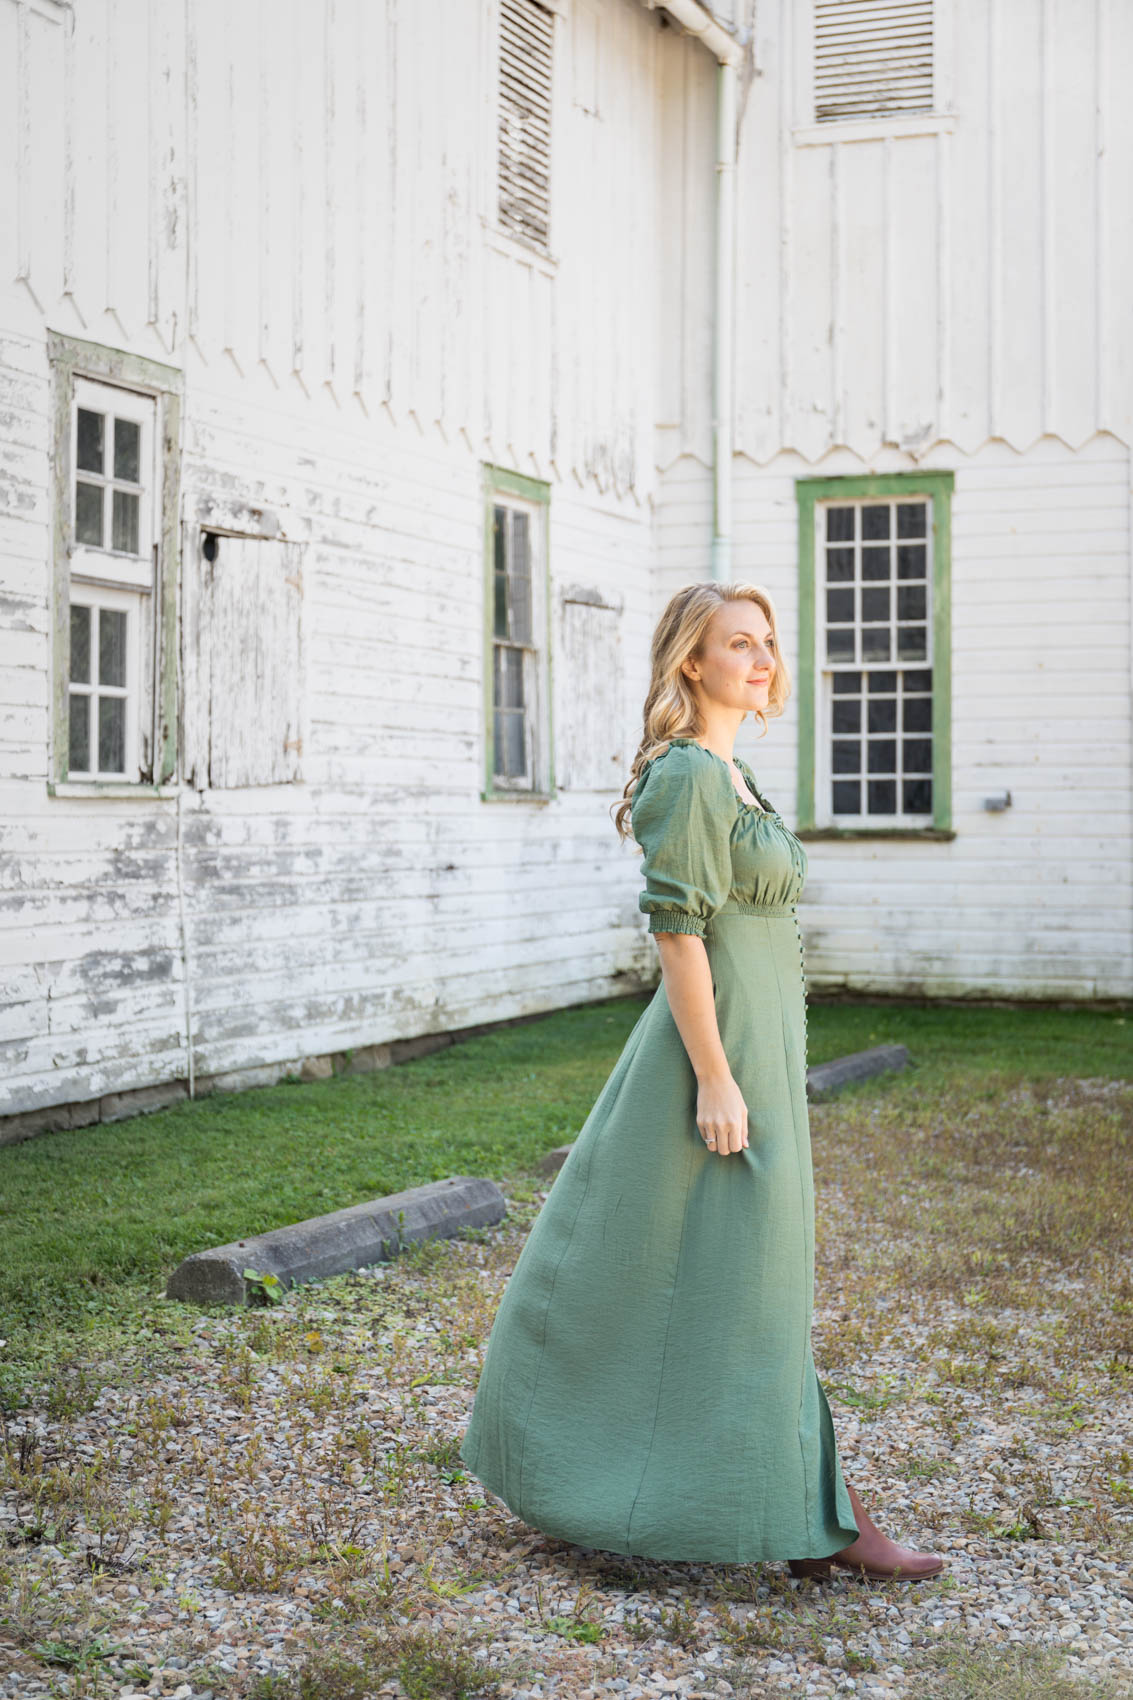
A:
[(755, 1632), (428, 1664), (261, 1561), (680, 1626), (263, 1289)]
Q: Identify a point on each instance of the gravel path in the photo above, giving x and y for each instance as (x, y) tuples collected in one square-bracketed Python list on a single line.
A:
[(240, 1493)]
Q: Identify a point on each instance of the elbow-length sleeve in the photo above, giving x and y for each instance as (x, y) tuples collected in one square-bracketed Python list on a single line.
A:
[(682, 814)]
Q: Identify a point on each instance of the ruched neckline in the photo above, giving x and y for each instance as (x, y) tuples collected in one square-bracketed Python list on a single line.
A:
[(763, 807)]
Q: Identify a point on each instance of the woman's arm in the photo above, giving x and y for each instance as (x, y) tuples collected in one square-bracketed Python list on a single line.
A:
[(721, 1113)]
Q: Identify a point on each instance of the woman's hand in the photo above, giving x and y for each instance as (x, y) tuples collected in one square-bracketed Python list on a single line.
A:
[(721, 1115)]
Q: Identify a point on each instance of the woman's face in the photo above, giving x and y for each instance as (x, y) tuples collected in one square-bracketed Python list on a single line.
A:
[(737, 658)]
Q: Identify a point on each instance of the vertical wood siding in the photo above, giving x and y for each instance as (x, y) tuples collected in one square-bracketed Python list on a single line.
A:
[(958, 285)]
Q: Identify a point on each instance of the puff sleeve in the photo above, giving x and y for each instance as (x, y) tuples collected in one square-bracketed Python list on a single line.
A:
[(682, 814)]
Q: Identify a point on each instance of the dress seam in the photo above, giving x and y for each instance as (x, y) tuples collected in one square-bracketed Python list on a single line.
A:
[(807, 1487), (543, 1343), (664, 1359)]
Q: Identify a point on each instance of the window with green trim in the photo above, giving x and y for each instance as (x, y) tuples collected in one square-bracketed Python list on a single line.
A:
[(115, 498), (874, 653), (517, 667)]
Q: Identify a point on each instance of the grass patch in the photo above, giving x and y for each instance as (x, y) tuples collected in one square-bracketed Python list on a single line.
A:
[(955, 1670), (93, 1220), (429, 1665)]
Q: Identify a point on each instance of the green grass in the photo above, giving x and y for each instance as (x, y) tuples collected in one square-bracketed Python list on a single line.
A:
[(951, 1042), (94, 1220)]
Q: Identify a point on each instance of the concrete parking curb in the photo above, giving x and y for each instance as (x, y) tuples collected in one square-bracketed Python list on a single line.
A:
[(340, 1241), (830, 1077)]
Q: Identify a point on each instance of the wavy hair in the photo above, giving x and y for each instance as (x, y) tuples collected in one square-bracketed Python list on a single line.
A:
[(670, 707)]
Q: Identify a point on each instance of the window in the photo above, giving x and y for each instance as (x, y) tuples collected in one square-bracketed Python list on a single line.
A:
[(872, 58), (516, 662), (115, 493), (874, 653), (524, 160)]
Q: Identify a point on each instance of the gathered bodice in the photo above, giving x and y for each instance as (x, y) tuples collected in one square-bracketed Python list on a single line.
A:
[(706, 849), (769, 865)]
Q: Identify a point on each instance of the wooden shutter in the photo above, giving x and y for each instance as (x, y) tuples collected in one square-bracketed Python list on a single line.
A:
[(242, 660), (526, 35), (872, 57), (591, 753)]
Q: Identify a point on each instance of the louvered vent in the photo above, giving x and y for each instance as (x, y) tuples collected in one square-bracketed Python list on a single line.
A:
[(872, 57), (526, 32)]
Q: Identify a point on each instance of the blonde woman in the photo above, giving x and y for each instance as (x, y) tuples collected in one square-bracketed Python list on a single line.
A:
[(648, 1385)]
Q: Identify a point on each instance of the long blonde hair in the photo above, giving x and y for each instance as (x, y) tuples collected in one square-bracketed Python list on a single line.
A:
[(670, 707)]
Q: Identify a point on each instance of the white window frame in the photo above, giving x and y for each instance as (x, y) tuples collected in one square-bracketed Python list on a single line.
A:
[(136, 607), (825, 670), (106, 565), (104, 577)]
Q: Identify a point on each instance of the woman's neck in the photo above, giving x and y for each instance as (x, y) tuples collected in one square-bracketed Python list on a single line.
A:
[(719, 735)]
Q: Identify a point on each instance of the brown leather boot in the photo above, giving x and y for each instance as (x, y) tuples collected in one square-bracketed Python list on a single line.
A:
[(872, 1554)]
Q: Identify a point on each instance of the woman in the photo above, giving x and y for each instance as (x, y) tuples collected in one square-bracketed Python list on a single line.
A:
[(648, 1385)]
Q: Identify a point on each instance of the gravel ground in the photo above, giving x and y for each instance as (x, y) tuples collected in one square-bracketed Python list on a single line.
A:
[(240, 1493)]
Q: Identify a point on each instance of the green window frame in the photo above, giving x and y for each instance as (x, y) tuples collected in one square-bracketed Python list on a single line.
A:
[(819, 670), (518, 749), (120, 594)]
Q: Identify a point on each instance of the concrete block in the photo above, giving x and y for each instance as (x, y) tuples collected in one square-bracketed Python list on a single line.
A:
[(117, 1106), (404, 1050), (243, 1079), (367, 1059), (50, 1118), (342, 1240), (316, 1068), (827, 1078)]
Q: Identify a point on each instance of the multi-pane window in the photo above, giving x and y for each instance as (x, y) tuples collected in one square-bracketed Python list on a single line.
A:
[(114, 497), (517, 695), (104, 670), (875, 656), (513, 649)]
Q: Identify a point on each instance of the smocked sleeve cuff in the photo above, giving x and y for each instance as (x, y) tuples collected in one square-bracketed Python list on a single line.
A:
[(675, 921)]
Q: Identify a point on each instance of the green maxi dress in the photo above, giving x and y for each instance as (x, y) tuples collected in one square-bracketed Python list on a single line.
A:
[(648, 1386)]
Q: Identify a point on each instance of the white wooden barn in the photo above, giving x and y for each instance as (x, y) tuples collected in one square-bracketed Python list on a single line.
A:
[(370, 374)]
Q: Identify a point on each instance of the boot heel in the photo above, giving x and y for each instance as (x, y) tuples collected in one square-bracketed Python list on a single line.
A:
[(816, 1567)]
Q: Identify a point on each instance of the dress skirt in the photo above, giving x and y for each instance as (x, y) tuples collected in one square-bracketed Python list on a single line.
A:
[(648, 1386)]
